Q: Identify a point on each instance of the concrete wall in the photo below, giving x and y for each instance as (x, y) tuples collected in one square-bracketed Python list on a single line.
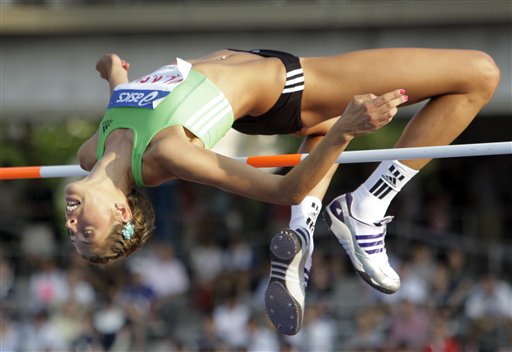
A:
[(47, 66)]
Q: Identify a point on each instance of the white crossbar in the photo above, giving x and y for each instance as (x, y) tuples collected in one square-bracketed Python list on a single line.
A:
[(361, 156)]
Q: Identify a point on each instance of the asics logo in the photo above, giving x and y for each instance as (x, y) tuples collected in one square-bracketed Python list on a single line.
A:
[(146, 99), (138, 98)]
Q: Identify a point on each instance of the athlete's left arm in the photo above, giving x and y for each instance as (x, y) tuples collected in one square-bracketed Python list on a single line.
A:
[(195, 164), (364, 114)]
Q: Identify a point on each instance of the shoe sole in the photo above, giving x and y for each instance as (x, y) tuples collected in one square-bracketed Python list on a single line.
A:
[(287, 256), (362, 273)]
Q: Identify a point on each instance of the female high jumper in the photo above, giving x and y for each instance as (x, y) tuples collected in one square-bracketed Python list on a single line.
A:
[(163, 125)]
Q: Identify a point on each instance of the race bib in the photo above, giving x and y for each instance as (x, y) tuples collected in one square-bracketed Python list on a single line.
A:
[(149, 91)]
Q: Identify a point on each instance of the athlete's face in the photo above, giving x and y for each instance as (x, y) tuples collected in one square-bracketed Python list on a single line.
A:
[(90, 216)]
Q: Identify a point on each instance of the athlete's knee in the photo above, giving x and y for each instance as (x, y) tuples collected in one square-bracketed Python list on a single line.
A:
[(486, 74)]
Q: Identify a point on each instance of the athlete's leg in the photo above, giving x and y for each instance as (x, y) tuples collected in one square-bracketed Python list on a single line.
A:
[(291, 250), (458, 83), (304, 215)]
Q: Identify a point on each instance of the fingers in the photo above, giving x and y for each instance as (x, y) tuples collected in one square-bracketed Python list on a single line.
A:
[(391, 99), (367, 113), (382, 107), (125, 65), (395, 94), (396, 97), (387, 104)]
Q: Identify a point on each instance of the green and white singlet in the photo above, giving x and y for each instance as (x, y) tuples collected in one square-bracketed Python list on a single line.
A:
[(172, 95)]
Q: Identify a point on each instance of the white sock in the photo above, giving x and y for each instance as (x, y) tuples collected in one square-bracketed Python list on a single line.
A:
[(372, 198), (304, 216)]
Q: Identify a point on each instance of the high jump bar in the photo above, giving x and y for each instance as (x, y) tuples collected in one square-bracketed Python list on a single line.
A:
[(286, 160)]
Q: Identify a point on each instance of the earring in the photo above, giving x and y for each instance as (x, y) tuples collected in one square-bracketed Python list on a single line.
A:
[(128, 230)]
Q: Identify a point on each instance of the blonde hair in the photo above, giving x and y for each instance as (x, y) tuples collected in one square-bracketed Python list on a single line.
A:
[(116, 246)]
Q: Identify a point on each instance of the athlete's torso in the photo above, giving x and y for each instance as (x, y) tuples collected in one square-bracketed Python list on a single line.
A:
[(250, 82), (239, 77)]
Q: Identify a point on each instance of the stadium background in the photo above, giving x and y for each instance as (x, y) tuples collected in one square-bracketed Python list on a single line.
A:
[(198, 285)]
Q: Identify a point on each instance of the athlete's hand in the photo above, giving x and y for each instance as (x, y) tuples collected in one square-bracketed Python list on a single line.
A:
[(367, 113), (109, 64)]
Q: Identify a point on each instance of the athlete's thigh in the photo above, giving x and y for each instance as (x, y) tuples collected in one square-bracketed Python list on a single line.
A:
[(330, 82)]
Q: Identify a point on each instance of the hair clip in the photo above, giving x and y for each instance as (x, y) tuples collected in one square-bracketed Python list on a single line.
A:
[(128, 230)]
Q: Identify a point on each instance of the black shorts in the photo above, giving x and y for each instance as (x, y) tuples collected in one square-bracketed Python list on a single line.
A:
[(284, 116)]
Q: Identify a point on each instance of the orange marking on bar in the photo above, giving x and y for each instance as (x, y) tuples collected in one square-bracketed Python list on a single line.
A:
[(274, 160), (13, 173)]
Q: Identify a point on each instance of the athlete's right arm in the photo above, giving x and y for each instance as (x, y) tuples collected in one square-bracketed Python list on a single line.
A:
[(113, 69)]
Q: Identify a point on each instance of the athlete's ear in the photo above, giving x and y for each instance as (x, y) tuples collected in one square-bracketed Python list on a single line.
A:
[(124, 212)]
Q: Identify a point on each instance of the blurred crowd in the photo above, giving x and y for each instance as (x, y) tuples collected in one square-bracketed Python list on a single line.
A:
[(211, 300), (198, 285)]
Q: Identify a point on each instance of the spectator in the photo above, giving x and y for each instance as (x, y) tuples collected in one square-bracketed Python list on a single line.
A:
[(490, 298), (108, 320), (206, 260), (489, 309), (136, 295), (9, 334), (422, 264), (409, 325), (231, 319), (441, 339), (41, 334), (48, 286), (163, 272), (167, 276), (67, 319), (320, 329), (460, 280), (137, 300), (79, 290), (238, 256), (88, 338), (439, 292), (209, 339), (261, 337), (366, 335)]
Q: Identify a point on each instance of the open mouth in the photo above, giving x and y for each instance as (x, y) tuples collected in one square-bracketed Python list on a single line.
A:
[(72, 205)]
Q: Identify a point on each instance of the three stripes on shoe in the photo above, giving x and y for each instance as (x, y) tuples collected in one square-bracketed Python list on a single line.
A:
[(371, 244), (280, 269)]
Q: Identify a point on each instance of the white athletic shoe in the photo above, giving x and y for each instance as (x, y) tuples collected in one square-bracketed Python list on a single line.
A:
[(367, 252), (285, 294)]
